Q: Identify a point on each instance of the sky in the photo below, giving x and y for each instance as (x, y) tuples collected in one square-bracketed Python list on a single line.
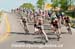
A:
[(11, 4)]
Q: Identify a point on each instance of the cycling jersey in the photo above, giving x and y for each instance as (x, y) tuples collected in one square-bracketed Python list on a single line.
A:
[(58, 15), (23, 20), (55, 23), (67, 20), (53, 17)]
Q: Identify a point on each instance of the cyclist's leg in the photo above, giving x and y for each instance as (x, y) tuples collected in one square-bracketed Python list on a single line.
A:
[(57, 31), (25, 28), (46, 37), (59, 26), (69, 28)]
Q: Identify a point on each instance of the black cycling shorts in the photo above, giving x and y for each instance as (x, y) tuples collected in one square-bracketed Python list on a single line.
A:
[(35, 25), (55, 25)]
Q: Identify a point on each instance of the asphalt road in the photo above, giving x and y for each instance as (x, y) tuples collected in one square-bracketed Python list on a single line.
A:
[(19, 40)]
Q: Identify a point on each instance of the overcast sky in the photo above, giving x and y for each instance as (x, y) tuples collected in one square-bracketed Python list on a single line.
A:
[(9, 4)]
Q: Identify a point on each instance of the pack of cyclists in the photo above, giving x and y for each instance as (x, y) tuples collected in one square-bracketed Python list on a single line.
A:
[(56, 20)]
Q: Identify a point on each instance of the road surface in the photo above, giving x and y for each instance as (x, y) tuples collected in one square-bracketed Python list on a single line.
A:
[(17, 38)]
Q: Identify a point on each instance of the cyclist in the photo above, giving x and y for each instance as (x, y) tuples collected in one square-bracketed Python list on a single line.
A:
[(67, 23), (25, 25), (40, 28), (55, 24)]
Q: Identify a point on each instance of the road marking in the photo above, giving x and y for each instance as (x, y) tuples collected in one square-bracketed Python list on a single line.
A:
[(6, 34)]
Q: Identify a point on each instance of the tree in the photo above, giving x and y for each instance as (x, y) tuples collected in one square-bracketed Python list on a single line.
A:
[(40, 3), (27, 5), (55, 3), (64, 4)]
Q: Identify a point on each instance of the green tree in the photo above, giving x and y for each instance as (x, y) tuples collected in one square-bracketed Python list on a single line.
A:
[(64, 4), (27, 5), (55, 3), (40, 3)]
